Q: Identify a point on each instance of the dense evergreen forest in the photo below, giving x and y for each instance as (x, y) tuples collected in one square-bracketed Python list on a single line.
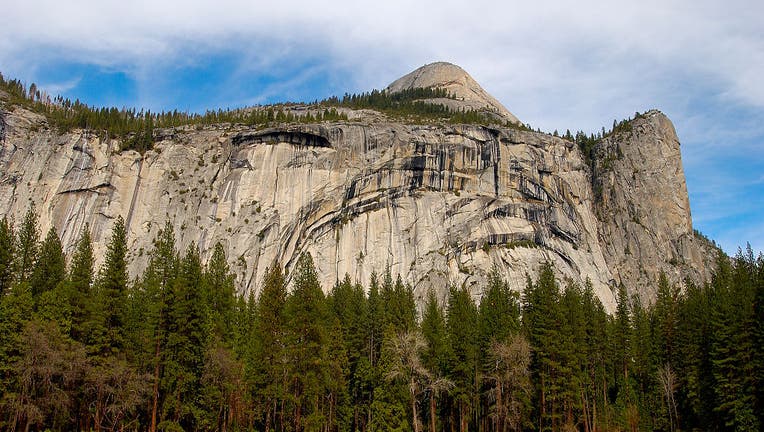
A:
[(178, 349)]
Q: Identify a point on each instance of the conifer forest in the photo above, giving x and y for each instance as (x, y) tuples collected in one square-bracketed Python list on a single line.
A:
[(177, 348)]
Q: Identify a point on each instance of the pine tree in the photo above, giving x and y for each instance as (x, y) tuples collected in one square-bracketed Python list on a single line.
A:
[(463, 333), (641, 354), (375, 328), (542, 319), (348, 303), (50, 268), (377, 320), (758, 317), (7, 257), (572, 360), (594, 395), (112, 289), (622, 335), (78, 287), (694, 348), (186, 344), (436, 356), (266, 362), (150, 305), (398, 303), (307, 322), (27, 246), (732, 348), (222, 382), (390, 409), (15, 311), (499, 312), (336, 410), (220, 283), (665, 321), (350, 308)]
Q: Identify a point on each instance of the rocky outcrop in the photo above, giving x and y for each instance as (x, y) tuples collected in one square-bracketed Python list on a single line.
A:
[(643, 207), (437, 204), (467, 93)]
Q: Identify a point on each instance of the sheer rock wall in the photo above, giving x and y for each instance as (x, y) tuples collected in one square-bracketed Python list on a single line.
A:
[(435, 203)]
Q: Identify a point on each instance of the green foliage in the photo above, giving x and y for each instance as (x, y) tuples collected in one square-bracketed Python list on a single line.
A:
[(179, 350), (351, 310), (50, 268), (7, 251), (222, 295), (499, 311), (112, 290), (397, 302), (186, 343), (409, 103), (136, 128), (622, 335), (733, 346), (15, 312), (437, 354), (462, 323), (389, 411), (27, 246), (265, 360), (307, 319), (589, 143), (542, 320)]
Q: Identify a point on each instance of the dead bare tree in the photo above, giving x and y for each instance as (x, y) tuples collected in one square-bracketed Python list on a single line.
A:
[(436, 386), (50, 369), (407, 347), (667, 378), (510, 379)]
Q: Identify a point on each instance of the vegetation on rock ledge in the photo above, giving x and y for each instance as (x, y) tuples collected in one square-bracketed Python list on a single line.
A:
[(135, 128)]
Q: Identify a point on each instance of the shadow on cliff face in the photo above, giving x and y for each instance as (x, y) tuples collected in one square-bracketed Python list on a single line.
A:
[(276, 136)]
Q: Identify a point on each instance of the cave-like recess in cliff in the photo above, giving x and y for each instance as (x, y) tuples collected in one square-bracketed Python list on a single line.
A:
[(275, 136)]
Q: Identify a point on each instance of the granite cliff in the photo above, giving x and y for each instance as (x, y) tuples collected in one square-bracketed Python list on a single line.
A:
[(436, 202)]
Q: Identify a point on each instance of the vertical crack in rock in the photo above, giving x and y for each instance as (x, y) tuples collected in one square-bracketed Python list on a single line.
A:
[(496, 164), (136, 190)]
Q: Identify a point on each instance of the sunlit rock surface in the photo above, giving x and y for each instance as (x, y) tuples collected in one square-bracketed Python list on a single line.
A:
[(437, 204)]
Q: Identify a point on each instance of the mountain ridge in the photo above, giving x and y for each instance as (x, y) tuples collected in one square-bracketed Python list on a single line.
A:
[(468, 94), (436, 203)]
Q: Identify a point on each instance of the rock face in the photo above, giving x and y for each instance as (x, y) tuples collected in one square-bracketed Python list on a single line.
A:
[(436, 204), (450, 77), (644, 211)]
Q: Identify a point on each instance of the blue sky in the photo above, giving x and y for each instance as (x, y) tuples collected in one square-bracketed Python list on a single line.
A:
[(556, 65)]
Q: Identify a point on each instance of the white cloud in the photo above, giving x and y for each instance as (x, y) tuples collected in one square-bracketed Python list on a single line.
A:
[(56, 88), (519, 49)]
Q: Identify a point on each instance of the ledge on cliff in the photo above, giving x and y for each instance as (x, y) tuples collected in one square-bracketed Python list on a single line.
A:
[(276, 136)]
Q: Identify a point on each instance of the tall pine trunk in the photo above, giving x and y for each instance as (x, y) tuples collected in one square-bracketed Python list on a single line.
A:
[(414, 421), (155, 392), (432, 412)]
